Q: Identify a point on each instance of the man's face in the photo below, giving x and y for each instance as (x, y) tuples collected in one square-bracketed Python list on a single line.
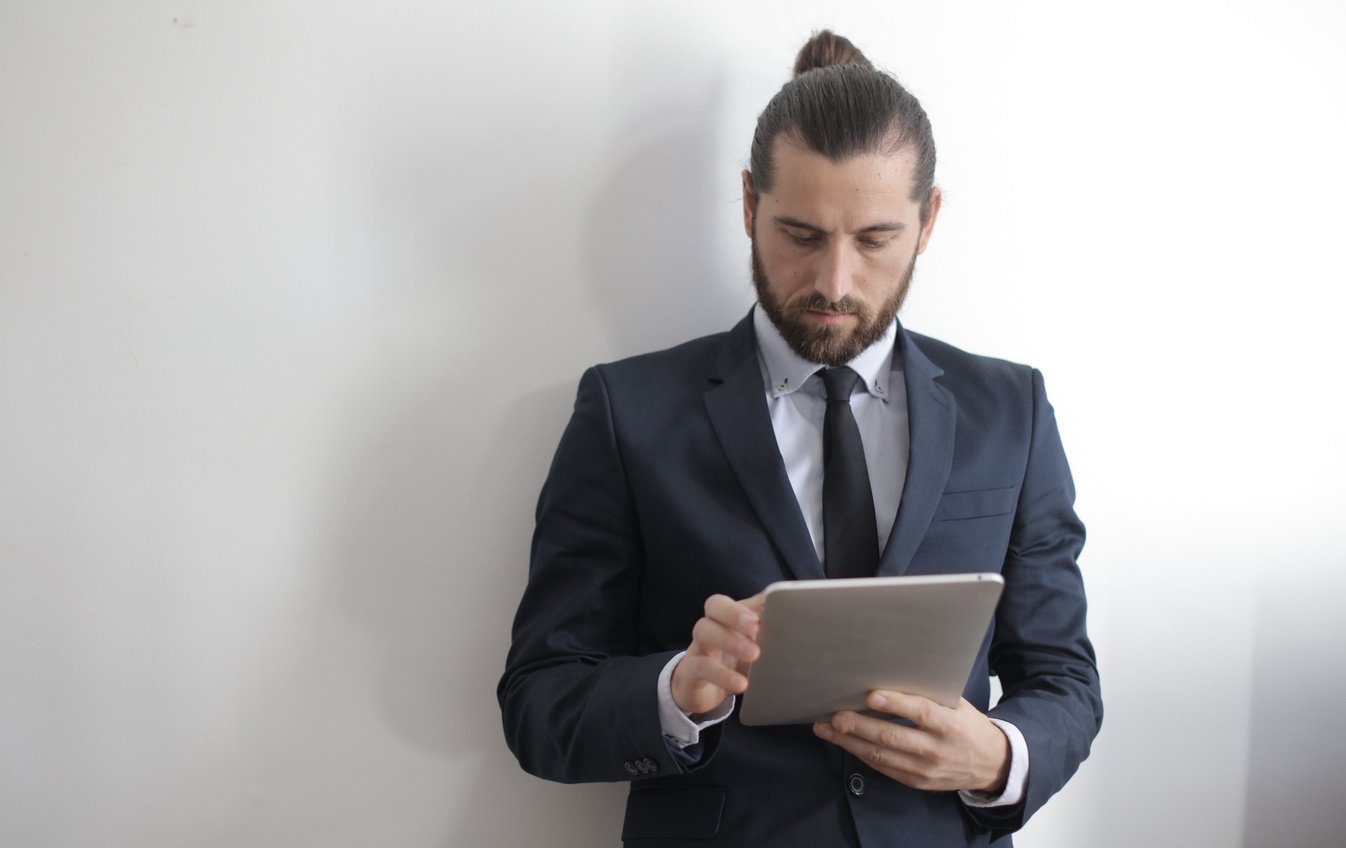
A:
[(834, 245)]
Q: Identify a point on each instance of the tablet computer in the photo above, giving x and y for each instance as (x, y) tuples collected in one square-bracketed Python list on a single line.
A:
[(826, 643)]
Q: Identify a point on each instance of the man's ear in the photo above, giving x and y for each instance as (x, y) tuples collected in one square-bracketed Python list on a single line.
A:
[(932, 212), (749, 202)]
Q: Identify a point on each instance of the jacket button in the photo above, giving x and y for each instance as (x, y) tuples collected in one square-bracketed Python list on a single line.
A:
[(856, 784), (648, 766), (631, 767)]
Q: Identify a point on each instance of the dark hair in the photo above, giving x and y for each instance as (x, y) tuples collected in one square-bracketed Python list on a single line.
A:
[(839, 105)]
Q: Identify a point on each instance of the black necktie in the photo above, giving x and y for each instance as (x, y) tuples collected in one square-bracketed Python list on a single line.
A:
[(850, 535)]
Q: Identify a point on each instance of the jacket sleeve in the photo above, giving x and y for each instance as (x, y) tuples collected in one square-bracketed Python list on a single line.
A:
[(578, 698), (1040, 649)]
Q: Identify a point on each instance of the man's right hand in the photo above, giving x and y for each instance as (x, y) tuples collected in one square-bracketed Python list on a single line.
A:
[(724, 643)]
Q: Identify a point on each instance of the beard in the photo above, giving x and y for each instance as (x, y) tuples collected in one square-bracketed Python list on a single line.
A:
[(828, 344)]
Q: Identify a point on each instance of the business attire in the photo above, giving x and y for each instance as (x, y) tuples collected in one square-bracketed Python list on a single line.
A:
[(669, 486)]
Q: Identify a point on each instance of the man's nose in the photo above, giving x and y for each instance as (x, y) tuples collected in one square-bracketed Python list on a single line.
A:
[(837, 278)]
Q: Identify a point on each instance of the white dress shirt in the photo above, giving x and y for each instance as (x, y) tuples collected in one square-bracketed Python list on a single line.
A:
[(797, 404)]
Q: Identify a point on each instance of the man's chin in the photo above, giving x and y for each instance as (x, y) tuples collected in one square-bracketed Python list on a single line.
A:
[(828, 344)]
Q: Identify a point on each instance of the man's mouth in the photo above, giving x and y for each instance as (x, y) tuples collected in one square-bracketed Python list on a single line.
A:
[(829, 316)]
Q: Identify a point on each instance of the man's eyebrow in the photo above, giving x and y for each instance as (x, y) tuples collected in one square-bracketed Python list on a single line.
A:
[(881, 227), (884, 227), (787, 221)]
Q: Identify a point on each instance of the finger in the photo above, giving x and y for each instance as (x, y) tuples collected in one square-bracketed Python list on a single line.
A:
[(694, 670), (922, 712), (894, 764), (710, 637), (693, 693), (734, 615), (883, 733)]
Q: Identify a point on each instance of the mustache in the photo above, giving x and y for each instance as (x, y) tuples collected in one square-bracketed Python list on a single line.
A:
[(817, 303)]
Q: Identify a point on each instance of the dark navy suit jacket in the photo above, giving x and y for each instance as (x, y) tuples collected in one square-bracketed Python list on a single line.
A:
[(668, 487)]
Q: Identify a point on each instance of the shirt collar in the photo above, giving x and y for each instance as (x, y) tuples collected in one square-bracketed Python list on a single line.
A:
[(787, 371)]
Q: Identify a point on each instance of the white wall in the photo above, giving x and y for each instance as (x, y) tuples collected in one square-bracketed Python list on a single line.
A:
[(294, 296)]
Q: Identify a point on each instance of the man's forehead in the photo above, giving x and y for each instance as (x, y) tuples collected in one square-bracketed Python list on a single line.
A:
[(876, 182)]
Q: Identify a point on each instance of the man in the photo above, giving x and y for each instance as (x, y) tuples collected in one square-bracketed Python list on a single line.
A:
[(689, 479)]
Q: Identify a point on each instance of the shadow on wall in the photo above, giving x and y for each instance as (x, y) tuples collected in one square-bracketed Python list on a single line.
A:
[(435, 514), (656, 230), (432, 564), (1297, 753)]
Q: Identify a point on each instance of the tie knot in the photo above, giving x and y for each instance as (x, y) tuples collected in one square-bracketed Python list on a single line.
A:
[(839, 383)]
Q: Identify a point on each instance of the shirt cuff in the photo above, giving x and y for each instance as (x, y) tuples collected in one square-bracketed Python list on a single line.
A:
[(679, 730), (1015, 784)]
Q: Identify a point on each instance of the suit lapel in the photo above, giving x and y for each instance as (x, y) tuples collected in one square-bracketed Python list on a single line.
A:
[(738, 412), (931, 416)]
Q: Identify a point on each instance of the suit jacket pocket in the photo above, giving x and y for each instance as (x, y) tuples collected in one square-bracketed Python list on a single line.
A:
[(673, 812), (958, 506)]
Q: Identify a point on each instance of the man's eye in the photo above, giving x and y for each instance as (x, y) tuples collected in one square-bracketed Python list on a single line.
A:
[(802, 241), (874, 243)]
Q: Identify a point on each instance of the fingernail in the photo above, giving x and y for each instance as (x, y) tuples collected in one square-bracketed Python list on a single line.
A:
[(746, 620), (877, 700), (823, 730)]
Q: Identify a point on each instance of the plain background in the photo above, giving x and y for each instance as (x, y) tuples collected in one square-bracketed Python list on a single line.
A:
[(294, 297)]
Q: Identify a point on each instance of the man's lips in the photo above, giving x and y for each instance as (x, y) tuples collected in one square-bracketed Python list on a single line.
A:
[(828, 317)]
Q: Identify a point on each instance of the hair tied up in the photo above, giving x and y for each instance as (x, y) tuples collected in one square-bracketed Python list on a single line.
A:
[(839, 105), (827, 48)]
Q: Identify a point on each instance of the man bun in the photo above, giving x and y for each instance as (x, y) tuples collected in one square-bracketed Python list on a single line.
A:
[(839, 105), (826, 48)]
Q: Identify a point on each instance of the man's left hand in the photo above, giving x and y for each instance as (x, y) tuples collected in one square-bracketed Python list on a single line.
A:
[(949, 749)]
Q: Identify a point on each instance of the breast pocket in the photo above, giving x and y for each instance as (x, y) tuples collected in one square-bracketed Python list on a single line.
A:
[(970, 532), (982, 503)]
